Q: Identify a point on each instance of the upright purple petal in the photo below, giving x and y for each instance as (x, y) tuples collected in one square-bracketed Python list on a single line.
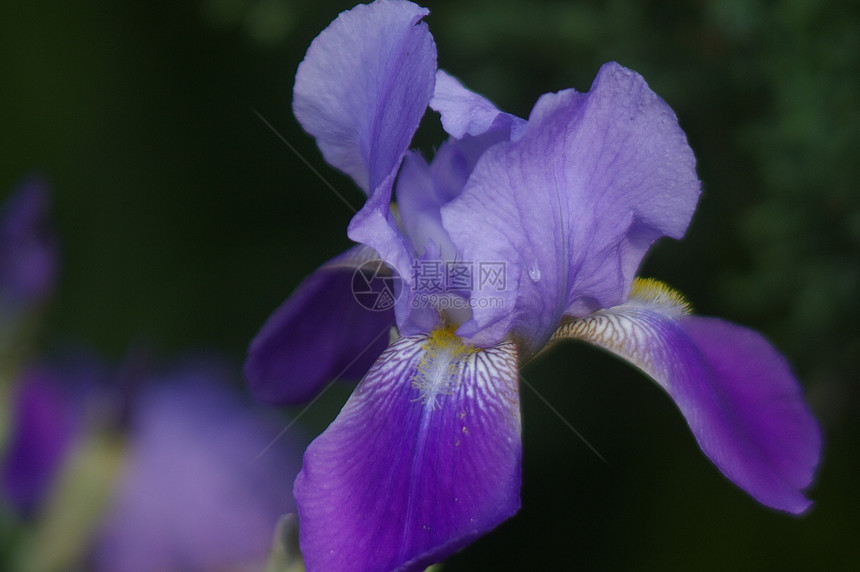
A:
[(423, 459), (419, 200), (45, 423), (377, 227), (422, 189), (203, 485), (363, 87), (361, 91), (467, 113), (28, 248), (737, 393), (320, 333), (573, 204)]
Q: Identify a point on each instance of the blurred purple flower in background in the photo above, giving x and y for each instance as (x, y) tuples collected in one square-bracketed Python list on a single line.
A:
[(46, 417), (125, 471), (28, 272), (193, 494), (425, 455), (28, 249), (200, 486)]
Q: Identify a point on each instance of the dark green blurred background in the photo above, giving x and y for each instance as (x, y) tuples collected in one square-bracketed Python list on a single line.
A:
[(185, 221)]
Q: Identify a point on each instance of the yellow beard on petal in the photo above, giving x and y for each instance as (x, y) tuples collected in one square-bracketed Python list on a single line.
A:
[(627, 329), (656, 292), (441, 366)]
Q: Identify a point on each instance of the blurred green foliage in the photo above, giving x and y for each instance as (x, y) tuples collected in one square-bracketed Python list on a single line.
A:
[(185, 221)]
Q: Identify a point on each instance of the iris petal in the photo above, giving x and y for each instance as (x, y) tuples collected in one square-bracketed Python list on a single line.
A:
[(419, 200), (422, 189), (573, 204), (424, 458), (467, 113), (737, 393), (319, 333), (363, 87)]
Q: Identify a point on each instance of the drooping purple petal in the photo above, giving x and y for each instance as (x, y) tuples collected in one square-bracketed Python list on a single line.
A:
[(573, 204), (46, 420), (323, 331), (423, 459), (467, 113), (28, 248), (737, 393), (203, 485), (363, 87)]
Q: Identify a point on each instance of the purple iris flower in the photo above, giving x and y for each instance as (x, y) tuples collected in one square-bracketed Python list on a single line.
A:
[(519, 233), (28, 250)]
